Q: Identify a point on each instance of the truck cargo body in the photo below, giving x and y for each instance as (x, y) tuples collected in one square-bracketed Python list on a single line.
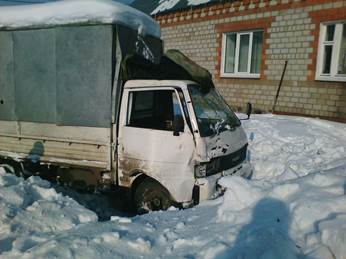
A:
[(59, 86)]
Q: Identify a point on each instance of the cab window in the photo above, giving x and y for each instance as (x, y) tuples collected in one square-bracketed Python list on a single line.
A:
[(153, 109)]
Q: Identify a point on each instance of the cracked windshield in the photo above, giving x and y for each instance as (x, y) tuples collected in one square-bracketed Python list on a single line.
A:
[(212, 112)]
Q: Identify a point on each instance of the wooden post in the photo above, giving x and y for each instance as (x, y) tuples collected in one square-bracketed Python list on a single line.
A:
[(279, 88)]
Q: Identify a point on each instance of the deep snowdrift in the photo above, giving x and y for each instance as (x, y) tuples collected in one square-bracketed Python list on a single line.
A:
[(294, 207)]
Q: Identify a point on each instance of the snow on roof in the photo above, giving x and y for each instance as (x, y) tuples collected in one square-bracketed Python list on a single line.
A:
[(154, 7), (165, 5), (77, 12), (23, 2)]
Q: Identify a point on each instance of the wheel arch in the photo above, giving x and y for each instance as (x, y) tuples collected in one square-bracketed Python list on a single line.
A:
[(138, 177), (179, 189)]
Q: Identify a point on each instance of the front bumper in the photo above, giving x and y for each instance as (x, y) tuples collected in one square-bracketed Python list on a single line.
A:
[(209, 187)]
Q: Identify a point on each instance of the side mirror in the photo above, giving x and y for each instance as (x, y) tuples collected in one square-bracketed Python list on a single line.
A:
[(248, 110), (178, 125)]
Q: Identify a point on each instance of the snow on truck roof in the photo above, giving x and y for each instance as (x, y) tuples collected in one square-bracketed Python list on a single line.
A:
[(76, 12)]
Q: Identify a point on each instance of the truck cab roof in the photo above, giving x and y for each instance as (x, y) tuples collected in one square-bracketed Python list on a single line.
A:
[(157, 83)]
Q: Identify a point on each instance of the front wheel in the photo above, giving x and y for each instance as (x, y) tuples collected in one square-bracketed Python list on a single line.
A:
[(151, 196)]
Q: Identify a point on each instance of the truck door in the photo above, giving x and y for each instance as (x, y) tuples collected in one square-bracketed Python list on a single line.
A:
[(147, 143)]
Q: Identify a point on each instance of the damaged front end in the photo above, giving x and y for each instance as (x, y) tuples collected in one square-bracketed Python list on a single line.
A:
[(207, 174), (219, 164), (222, 144)]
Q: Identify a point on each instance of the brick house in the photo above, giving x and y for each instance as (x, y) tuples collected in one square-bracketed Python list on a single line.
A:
[(245, 45)]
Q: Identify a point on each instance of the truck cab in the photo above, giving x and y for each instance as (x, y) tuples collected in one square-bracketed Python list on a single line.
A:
[(177, 140), (92, 99)]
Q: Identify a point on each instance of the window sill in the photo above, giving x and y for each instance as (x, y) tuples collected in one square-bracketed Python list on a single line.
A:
[(331, 78), (248, 76)]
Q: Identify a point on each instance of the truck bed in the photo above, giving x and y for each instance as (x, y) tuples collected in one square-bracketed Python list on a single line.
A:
[(84, 147)]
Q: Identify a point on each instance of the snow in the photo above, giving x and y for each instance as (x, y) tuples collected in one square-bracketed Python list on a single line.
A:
[(294, 207), (164, 5), (167, 5), (197, 2), (76, 12)]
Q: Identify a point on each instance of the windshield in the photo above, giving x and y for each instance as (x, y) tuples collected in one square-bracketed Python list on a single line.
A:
[(212, 112)]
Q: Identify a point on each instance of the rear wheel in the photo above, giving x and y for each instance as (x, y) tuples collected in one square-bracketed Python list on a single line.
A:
[(151, 196), (12, 167)]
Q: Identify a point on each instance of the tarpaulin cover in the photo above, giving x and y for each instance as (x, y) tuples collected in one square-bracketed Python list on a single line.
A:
[(146, 46), (67, 75), (59, 75), (84, 75)]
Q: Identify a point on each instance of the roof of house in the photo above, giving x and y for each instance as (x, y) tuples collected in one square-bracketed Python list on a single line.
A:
[(155, 7)]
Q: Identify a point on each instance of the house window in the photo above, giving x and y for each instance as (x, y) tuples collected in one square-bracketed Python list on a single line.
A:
[(242, 54), (331, 60)]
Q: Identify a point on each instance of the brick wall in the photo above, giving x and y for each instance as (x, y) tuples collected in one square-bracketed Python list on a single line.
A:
[(291, 32)]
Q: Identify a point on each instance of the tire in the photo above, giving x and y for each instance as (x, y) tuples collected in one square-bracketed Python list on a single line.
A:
[(12, 167), (151, 196)]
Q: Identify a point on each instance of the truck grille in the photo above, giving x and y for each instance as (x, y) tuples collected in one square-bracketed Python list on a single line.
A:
[(219, 164)]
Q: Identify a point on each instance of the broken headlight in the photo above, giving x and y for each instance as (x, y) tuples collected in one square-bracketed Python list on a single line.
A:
[(207, 168), (222, 163), (201, 170)]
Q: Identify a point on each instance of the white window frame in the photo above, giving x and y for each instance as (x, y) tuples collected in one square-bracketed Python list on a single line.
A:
[(237, 74), (336, 43)]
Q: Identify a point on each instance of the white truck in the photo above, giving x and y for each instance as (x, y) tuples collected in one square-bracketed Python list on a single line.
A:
[(65, 106)]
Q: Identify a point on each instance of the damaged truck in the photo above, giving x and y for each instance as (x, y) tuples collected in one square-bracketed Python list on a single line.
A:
[(91, 96)]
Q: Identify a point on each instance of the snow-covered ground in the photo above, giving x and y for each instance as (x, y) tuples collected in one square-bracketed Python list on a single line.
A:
[(294, 207)]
